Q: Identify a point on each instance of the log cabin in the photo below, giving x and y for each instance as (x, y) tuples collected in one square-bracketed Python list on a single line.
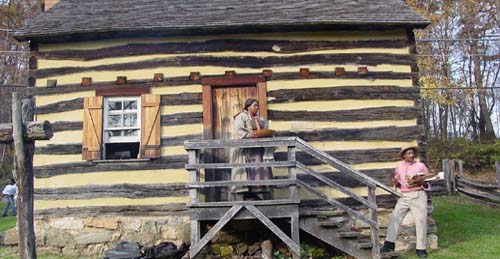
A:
[(142, 94)]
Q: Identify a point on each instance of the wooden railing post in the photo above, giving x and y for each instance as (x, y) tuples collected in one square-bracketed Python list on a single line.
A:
[(372, 198), (194, 177), (292, 172)]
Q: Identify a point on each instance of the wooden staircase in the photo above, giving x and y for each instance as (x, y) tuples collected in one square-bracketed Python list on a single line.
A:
[(332, 227), (336, 229)]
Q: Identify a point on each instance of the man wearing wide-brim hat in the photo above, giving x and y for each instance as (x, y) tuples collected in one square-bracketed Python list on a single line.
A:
[(414, 200)]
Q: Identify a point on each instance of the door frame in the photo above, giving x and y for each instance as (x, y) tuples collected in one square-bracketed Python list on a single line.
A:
[(230, 81)]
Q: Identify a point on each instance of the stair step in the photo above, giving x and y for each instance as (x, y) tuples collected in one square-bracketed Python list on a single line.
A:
[(365, 245), (322, 213), (349, 234), (333, 222)]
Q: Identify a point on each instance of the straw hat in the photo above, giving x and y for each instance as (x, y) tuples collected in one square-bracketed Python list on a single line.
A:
[(403, 150)]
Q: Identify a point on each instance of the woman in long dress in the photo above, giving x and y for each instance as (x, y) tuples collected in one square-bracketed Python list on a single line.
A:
[(245, 125)]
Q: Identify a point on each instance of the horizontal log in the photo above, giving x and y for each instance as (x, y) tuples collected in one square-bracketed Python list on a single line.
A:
[(171, 162), (182, 118), (34, 130), (365, 114), (179, 141), (381, 175), (130, 191), (492, 196), (347, 156), (343, 93), (475, 184), (318, 206), (59, 149), (181, 99), (67, 125), (332, 134), (172, 209), (135, 49), (371, 59), (183, 80), (62, 106)]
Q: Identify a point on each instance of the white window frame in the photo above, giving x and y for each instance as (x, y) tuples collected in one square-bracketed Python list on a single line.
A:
[(121, 139)]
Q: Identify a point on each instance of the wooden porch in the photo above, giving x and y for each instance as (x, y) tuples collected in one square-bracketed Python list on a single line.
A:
[(329, 228)]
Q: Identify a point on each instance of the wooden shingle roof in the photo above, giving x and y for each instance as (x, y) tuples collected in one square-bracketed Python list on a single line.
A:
[(76, 17)]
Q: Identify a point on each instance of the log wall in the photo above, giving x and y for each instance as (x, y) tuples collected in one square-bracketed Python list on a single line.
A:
[(361, 119)]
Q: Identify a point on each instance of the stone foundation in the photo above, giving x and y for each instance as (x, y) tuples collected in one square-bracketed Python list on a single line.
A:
[(93, 236)]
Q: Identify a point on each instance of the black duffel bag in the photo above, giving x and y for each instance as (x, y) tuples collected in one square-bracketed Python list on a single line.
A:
[(165, 250)]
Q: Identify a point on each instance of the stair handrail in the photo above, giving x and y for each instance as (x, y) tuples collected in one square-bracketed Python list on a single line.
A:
[(343, 167)]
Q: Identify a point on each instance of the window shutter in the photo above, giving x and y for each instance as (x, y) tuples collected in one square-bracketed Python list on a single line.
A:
[(150, 126), (92, 128)]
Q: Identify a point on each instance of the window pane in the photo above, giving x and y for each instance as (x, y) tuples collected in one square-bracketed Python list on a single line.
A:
[(130, 120), (128, 133), (130, 105), (114, 133), (115, 105), (115, 121)]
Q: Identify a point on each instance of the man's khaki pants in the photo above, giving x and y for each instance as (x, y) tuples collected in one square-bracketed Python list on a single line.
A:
[(416, 203)]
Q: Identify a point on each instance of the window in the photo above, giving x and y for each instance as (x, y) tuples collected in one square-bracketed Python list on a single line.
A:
[(121, 127)]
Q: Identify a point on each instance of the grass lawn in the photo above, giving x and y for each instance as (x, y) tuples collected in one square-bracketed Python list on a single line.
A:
[(7, 222), (466, 230)]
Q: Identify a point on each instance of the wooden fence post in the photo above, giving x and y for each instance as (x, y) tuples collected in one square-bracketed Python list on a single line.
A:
[(446, 176), (498, 173), (451, 167), (460, 169), (24, 150)]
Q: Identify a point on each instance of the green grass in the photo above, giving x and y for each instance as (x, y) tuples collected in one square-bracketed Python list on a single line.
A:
[(7, 222), (465, 230)]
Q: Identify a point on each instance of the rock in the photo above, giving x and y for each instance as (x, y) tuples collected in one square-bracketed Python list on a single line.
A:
[(432, 241), (132, 224), (241, 248), (169, 233), (267, 249), (106, 223), (254, 248), (58, 238), (85, 238), (10, 237), (97, 249), (145, 239), (149, 227), (67, 224)]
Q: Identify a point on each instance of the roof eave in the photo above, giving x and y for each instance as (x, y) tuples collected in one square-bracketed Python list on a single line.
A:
[(64, 36)]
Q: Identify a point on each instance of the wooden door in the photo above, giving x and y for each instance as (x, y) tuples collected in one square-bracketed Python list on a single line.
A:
[(223, 98), (226, 103)]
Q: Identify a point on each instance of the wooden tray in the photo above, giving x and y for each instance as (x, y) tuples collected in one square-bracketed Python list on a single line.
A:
[(265, 133)]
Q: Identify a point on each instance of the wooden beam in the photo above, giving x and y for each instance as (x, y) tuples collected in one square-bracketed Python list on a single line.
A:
[(275, 229), (34, 130), (24, 150), (239, 165), (195, 248)]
